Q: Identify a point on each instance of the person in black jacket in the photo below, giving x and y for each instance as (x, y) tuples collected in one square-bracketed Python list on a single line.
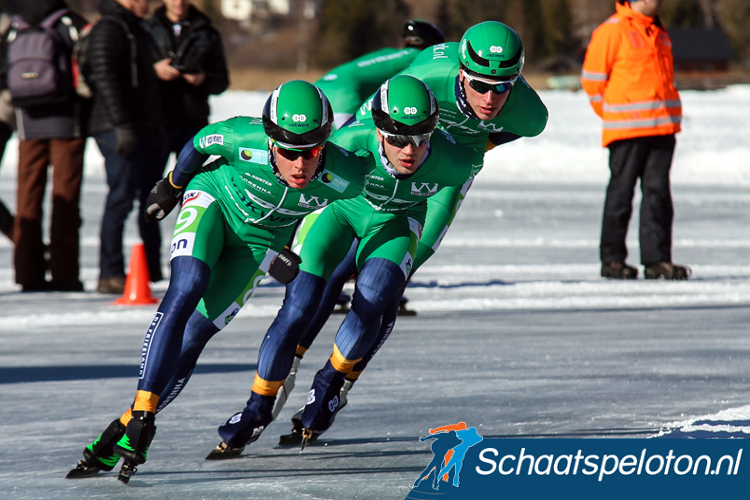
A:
[(50, 134), (190, 65), (127, 123)]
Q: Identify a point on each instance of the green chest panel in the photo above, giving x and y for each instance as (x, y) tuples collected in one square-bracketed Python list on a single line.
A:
[(446, 165), (251, 191), (523, 114)]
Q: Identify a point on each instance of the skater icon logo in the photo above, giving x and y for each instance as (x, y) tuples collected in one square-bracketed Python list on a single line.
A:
[(449, 446)]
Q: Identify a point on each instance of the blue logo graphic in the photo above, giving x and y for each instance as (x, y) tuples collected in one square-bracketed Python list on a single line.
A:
[(451, 442), (615, 469)]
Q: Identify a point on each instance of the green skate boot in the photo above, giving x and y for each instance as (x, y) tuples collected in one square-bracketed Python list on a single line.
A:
[(133, 446), (100, 455)]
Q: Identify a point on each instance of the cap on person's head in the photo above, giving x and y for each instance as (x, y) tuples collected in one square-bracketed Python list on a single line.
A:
[(491, 50), (421, 34)]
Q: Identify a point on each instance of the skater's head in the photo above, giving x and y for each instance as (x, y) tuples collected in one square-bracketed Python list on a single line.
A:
[(298, 120), (405, 113), (421, 34), (491, 58)]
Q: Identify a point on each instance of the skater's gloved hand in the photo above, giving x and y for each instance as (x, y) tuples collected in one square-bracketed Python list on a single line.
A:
[(125, 140), (162, 199), (285, 267)]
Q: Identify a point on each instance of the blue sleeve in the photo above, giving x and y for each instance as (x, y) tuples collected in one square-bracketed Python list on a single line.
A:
[(188, 162), (498, 138)]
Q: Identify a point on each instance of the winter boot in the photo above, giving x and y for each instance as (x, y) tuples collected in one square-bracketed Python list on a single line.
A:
[(619, 271), (133, 446), (100, 455), (667, 270), (244, 427)]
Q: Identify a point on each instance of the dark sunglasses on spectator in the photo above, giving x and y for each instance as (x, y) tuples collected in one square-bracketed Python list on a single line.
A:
[(294, 154), (483, 87), (401, 141)]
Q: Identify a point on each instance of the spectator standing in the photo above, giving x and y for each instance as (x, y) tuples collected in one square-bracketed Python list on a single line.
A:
[(7, 125), (628, 75), (126, 121), (50, 133), (191, 66)]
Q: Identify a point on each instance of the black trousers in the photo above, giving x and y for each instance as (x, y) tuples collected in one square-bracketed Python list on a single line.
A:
[(648, 159)]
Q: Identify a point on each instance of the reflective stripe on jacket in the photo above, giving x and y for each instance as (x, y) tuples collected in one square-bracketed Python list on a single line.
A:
[(628, 76)]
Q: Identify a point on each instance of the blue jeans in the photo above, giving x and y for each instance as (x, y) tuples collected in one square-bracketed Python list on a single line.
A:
[(129, 177)]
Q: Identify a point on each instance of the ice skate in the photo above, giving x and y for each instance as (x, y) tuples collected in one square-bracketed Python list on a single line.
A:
[(403, 310), (133, 446), (223, 452), (343, 303), (99, 455)]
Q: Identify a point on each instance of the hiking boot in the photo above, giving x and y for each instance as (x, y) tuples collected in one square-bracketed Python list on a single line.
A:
[(133, 446), (667, 270), (619, 271), (115, 284), (100, 455)]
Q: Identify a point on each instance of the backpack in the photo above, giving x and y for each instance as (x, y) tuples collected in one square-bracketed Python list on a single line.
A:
[(38, 66), (81, 65)]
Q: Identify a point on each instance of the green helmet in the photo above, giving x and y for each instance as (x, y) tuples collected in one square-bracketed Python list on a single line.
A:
[(491, 50), (298, 115), (404, 105)]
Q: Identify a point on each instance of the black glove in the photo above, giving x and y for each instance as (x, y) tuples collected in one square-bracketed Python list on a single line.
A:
[(285, 267), (162, 199), (125, 140)]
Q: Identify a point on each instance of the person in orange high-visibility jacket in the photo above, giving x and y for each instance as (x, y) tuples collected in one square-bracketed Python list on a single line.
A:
[(628, 76)]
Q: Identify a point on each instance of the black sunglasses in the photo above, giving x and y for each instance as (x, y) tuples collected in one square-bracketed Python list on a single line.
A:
[(484, 87)]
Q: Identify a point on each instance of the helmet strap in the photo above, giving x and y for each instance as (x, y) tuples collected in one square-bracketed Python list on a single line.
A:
[(462, 101)]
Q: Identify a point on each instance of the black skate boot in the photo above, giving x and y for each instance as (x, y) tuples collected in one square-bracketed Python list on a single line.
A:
[(244, 427), (403, 310), (322, 402), (100, 455), (294, 438), (133, 446), (342, 303)]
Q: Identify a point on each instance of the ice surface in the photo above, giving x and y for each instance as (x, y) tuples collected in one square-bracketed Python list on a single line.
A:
[(516, 333)]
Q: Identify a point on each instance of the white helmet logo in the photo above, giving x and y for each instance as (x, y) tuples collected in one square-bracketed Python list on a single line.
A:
[(496, 49), (299, 118)]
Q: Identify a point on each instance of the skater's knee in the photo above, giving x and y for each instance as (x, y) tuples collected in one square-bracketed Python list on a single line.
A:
[(340, 362)]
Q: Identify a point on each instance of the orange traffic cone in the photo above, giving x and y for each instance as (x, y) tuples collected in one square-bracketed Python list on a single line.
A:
[(137, 289)]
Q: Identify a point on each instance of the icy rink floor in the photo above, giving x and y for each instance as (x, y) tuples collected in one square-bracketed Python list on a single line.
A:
[(516, 335)]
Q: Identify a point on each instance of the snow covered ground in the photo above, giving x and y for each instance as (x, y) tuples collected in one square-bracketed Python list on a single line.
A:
[(516, 333)]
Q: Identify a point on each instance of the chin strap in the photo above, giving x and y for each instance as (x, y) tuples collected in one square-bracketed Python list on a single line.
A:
[(462, 101)]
